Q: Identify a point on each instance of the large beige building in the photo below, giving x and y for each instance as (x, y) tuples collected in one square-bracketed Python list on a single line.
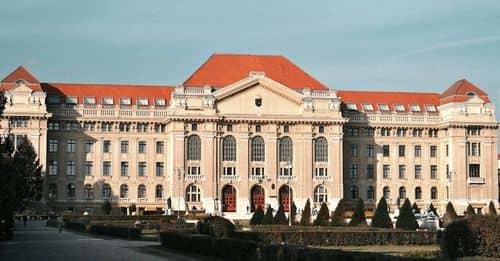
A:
[(250, 130)]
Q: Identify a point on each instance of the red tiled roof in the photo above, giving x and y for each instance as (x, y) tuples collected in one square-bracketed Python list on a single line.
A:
[(389, 98), (20, 73), (116, 91), (458, 91), (223, 69)]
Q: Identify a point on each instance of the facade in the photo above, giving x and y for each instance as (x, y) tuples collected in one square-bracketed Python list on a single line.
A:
[(252, 130)]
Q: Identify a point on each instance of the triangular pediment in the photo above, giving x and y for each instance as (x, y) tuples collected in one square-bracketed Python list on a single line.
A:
[(475, 99), (21, 88)]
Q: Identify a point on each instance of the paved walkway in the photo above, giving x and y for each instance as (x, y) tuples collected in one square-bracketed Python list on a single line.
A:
[(36, 242)]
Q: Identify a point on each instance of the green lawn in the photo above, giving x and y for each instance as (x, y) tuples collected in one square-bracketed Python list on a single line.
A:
[(429, 251)]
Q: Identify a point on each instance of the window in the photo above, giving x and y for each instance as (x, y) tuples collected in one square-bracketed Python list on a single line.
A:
[(321, 129), (433, 151), (354, 192), (89, 191), (401, 132), (402, 193), (70, 168), (286, 149), (159, 147), (53, 100), (386, 150), (257, 149), (433, 133), (229, 148), (321, 172), (141, 191), (430, 108), (258, 102), (89, 168), (52, 191), (124, 191), (229, 128), (418, 193), (399, 108), (193, 170), (106, 146), (70, 190), (385, 132), (370, 132), (286, 171), (89, 100), (370, 150), (401, 150), (434, 171), (53, 145), (89, 146), (415, 108), (257, 128), (417, 132), (142, 102), (474, 148), (72, 126), (320, 194), (124, 168), (124, 146), (159, 169), (107, 101), (125, 101), (354, 171), (474, 171), (386, 171), (367, 107), (286, 128), (71, 100), (89, 126), (52, 167), (193, 193), (124, 127), (351, 106), (159, 102), (142, 127), (370, 171), (446, 150), (353, 131), (387, 193), (106, 168), (354, 150), (159, 191), (418, 171), (53, 126), (473, 131), (141, 170), (418, 150), (70, 146), (383, 107), (434, 193), (106, 191), (193, 148), (402, 171), (159, 128), (194, 127), (229, 171), (142, 146), (258, 172), (106, 126), (320, 150), (370, 193)]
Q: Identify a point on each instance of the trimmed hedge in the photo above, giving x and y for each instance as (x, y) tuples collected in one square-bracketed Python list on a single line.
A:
[(115, 231), (215, 226), (74, 226)]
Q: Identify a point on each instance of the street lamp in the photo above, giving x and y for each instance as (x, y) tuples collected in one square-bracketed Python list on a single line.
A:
[(289, 166), (216, 207)]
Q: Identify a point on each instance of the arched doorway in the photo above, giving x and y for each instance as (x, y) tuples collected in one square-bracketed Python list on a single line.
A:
[(258, 197), (228, 199), (286, 193)]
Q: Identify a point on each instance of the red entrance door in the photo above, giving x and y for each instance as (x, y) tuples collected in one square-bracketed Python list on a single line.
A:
[(258, 197), (229, 199), (285, 195)]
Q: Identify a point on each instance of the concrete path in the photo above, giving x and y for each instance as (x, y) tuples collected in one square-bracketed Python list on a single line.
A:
[(36, 242)]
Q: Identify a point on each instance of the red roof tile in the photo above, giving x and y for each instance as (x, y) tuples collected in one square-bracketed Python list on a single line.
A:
[(116, 91), (389, 98), (18, 74), (458, 91), (223, 69)]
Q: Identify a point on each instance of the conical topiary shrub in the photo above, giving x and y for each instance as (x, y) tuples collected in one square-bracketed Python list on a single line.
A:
[(433, 209), (406, 219), (492, 211), (280, 218), (358, 217), (450, 215), (257, 216), (268, 217), (323, 217), (305, 220), (294, 213), (469, 212), (338, 217), (415, 208), (381, 217)]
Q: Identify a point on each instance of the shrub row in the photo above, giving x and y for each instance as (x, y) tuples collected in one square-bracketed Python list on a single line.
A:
[(74, 226), (115, 231), (342, 238)]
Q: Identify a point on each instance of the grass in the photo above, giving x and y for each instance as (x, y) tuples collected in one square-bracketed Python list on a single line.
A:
[(427, 251)]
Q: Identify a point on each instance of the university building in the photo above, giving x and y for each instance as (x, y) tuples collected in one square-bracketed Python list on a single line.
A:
[(250, 130)]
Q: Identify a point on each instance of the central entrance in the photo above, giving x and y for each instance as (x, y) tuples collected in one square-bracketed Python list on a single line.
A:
[(258, 197), (286, 194), (228, 199)]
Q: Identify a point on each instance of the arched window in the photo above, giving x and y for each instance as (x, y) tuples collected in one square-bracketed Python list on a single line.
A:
[(53, 191), (286, 149), (89, 191), (354, 192), (387, 193), (229, 148), (106, 191), (141, 191), (434, 193), (193, 148), (320, 194), (159, 191), (70, 190), (418, 193), (257, 149), (370, 193), (320, 150), (124, 191), (402, 193), (193, 193)]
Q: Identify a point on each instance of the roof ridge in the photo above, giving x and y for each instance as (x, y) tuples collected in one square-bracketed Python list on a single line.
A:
[(21, 69), (402, 92), (305, 72), (110, 84)]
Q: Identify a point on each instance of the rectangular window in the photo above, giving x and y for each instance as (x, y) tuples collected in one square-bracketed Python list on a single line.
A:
[(258, 172), (354, 150), (53, 100), (142, 147), (354, 171), (402, 171), (430, 108), (53, 145), (367, 107), (370, 150), (124, 146), (446, 150), (52, 167), (383, 107), (124, 127), (286, 171), (142, 127), (107, 101), (386, 150), (475, 149), (71, 146), (107, 127), (474, 171), (141, 170), (160, 102), (418, 150), (401, 150), (229, 171), (71, 100), (321, 172), (125, 101), (106, 146), (385, 132), (415, 108), (89, 168), (89, 100), (89, 146), (53, 126), (351, 106), (370, 171), (142, 102), (370, 132), (106, 168), (434, 171), (400, 132), (386, 169), (124, 168), (159, 128), (70, 168), (418, 171), (159, 147), (399, 108), (88, 126), (433, 151), (159, 169), (321, 129)]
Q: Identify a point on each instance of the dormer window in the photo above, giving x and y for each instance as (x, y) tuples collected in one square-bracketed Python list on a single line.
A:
[(415, 108), (160, 102), (89, 100), (430, 108), (53, 100), (471, 94), (352, 106), (125, 101), (367, 107), (383, 107), (399, 107), (71, 100), (107, 101), (142, 102)]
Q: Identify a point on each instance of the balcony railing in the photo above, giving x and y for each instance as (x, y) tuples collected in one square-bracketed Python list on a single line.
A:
[(230, 177), (194, 177), (475, 180), (323, 178), (287, 178), (109, 112), (381, 117)]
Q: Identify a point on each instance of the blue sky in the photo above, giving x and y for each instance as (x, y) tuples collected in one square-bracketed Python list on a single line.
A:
[(357, 45)]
